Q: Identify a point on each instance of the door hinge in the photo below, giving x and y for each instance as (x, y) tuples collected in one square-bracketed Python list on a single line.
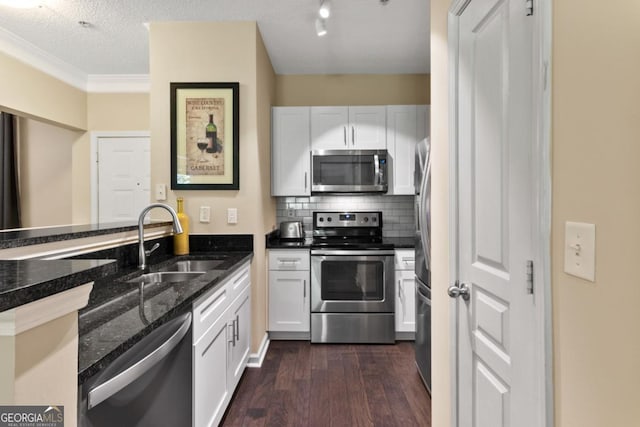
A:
[(528, 4), (530, 277)]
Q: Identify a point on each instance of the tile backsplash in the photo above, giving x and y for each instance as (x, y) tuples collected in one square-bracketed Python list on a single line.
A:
[(398, 218)]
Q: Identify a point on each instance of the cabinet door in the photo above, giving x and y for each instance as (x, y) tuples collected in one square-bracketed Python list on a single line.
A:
[(211, 393), (329, 128), (424, 121), (289, 305), (367, 128), (240, 323), (402, 131), (405, 301), (290, 152)]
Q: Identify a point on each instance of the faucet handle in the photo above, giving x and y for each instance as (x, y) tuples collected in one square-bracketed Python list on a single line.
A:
[(153, 248)]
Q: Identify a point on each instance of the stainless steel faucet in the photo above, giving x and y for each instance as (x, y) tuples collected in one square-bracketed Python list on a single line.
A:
[(177, 229)]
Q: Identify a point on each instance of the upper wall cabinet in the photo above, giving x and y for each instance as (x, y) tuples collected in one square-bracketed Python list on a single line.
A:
[(348, 128), (290, 158), (406, 125)]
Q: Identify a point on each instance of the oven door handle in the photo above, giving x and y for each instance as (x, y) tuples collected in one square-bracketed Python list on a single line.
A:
[(352, 253)]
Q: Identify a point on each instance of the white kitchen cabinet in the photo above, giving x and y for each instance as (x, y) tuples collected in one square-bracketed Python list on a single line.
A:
[(239, 345), (221, 336), (290, 151), (348, 128), (405, 291), (406, 125), (289, 293), (211, 393)]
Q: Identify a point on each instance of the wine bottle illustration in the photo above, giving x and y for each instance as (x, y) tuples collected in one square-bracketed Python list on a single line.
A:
[(212, 136)]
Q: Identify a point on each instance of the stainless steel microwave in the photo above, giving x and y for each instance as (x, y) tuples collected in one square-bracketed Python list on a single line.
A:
[(349, 171)]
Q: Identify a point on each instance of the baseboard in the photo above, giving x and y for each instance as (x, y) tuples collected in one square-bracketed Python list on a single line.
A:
[(256, 359), (405, 336), (298, 336)]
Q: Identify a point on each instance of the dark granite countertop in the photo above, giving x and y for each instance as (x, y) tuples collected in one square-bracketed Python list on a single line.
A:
[(24, 281), (36, 236), (119, 314)]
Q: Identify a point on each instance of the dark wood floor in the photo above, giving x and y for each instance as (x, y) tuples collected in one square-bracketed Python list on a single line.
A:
[(301, 384)]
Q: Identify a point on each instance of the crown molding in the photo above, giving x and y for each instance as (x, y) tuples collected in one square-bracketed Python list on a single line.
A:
[(41, 60), (118, 83)]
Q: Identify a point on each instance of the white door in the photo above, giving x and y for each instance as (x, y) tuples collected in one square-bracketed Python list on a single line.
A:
[(124, 170), (289, 308), (498, 370)]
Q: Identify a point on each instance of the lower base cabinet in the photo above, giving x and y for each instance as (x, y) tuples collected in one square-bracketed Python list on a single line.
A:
[(221, 340)]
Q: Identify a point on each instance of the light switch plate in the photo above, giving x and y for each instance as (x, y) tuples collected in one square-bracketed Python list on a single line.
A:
[(205, 214), (161, 192), (232, 216), (580, 250)]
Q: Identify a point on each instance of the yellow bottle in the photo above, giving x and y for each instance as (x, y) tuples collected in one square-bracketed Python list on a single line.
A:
[(181, 241)]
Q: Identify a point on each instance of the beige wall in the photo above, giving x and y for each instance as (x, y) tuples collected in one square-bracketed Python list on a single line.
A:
[(105, 112), (117, 111), (440, 327), (28, 92), (45, 173), (176, 55), (596, 147), (352, 89)]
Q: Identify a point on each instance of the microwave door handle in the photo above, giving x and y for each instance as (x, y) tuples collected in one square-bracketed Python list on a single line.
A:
[(376, 168)]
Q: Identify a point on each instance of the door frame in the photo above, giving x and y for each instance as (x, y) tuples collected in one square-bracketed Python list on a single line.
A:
[(95, 136), (541, 163)]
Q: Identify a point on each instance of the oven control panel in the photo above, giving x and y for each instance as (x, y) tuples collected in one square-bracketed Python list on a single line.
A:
[(347, 219)]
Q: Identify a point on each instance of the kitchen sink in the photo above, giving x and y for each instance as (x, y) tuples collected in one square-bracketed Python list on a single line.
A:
[(194, 265), (166, 277)]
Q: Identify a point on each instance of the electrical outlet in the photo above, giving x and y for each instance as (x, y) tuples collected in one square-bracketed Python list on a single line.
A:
[(205, 214), (291, 213), (161, 192), (232, 216)]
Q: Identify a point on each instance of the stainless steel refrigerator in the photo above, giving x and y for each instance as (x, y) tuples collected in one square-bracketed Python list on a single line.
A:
[(422, 181)]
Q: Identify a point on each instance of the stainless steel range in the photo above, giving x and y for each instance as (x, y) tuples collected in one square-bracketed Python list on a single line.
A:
[(352, 286)]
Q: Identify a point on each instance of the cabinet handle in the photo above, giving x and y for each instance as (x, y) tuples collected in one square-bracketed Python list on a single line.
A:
[(304, 289), (344, 128), (232, 325), (399, 286), (288, 261), (353, 136), (236, 333), (305, 181)]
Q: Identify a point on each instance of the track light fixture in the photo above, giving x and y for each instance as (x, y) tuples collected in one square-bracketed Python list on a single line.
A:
[(321, 27), (325, 9)]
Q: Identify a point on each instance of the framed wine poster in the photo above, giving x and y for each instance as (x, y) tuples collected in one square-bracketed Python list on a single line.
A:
[(205, 136)]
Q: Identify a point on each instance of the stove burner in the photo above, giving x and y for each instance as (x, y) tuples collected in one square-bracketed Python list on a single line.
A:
[(348, 230)]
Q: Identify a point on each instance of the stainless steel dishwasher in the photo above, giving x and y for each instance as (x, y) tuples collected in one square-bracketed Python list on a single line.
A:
[(148, 385)]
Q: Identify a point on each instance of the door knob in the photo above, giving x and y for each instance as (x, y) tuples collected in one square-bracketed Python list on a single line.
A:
[(459, 290)]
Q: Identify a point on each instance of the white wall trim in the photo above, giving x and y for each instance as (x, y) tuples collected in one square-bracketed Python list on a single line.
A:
[(41, 60), (39, 312), (452, 55), (95, 136), (118, 83), (256, 359), (543, 39)]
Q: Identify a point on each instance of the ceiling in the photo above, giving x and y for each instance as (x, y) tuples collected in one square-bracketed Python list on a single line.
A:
[(364, 36)]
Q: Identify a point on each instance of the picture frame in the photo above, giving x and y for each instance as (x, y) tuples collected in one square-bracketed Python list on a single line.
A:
[(205, 136)]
